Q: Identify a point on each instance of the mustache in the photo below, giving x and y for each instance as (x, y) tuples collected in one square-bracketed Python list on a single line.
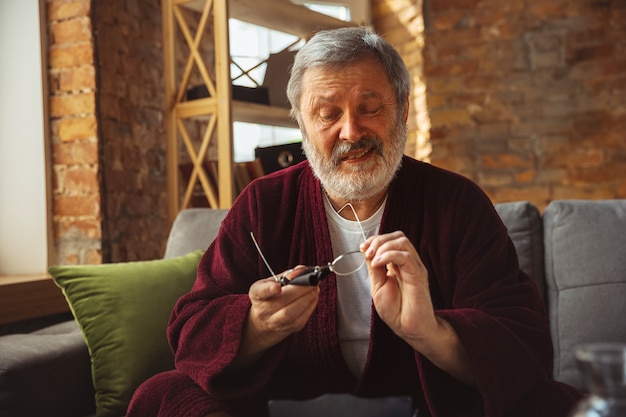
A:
[(367, 142)]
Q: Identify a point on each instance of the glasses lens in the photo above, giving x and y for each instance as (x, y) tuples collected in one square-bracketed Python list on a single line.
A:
[(348, 263)]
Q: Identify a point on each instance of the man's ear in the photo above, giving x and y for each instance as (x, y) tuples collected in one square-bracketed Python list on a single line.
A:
[(406, 110)]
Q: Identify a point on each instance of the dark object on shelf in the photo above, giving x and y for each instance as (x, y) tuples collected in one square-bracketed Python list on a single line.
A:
[(258, 95), (278, 157), (277, 76)]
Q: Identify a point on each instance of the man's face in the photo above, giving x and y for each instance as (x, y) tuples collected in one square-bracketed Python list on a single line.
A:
[(354, 132)]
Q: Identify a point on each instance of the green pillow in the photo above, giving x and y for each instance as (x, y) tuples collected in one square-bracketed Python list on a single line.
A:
[(123, 310)]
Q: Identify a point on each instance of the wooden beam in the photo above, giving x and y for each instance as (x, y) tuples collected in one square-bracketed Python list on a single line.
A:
[(224, 104)]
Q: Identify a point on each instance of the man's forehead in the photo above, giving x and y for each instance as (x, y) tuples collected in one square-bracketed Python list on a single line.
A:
[(328, 83), (339, 68)]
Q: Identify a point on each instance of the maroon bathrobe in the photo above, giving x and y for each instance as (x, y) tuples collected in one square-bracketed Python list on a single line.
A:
[(475, 283)]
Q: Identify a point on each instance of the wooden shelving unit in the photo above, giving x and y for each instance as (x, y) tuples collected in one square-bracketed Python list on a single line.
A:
[(218, 110)]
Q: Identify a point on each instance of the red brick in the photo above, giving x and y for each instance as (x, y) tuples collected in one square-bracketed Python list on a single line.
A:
[(463, 68), (448, 117), (72, 105), (597, 174), (113, 84), (71, 31), (77, 152), (538, 194), (93, 257), (448, 20), (443, 5), (548, 9), (87, 228), (545, 42), (506, 161), (82, 180), (486, 14), (495, 179), (567, 157), (83, 205), (590, 53), (479, 82), (73, 55), (77, 128), (526, 177), (122, 181), (62, 9), (71, 259), (551, 175), (77, 79), (586, 158), (111, 103)]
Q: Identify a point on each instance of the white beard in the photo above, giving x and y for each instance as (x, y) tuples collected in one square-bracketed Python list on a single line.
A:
[(366, 180)]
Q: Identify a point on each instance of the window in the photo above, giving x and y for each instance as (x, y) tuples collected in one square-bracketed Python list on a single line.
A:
[(250, 45), (23, 194)]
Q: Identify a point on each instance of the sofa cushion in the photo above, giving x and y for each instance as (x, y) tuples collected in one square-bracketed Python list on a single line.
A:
[(123, 310), (193, 229), (585, 244), (31, 363), (523, 222)]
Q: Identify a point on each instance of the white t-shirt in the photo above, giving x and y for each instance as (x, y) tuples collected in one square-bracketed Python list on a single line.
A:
[(354, 297)]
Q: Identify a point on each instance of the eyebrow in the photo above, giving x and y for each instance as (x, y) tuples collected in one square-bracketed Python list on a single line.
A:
[(330, 97)]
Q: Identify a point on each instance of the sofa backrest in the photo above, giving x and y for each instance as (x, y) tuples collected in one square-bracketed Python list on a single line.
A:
[(193, 229), (523, 222), (585, 266)]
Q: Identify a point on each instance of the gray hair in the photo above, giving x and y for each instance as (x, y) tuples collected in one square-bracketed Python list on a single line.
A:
[(341, 47)]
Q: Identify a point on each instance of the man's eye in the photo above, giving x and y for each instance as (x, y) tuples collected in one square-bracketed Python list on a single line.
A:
[(369, 110), (328, 117)]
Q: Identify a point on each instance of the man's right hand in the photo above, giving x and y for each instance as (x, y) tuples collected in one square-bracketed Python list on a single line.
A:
[(277, 311)]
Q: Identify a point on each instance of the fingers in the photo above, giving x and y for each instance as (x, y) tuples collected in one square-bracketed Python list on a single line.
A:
[(373, 243), (390, 248), (283, 309), (264, 289), (399, 284), (392, 255), (267, 288)]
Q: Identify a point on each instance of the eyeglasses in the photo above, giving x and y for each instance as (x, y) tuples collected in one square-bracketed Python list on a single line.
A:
[(344, 264)]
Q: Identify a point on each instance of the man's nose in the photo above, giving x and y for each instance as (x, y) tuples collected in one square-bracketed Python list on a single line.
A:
[(351, 129)]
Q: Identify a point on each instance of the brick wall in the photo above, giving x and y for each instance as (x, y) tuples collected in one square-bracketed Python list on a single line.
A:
[(525, 97), (528, 97), (108, 140), (132, 132), (401, 23), (77, 198)]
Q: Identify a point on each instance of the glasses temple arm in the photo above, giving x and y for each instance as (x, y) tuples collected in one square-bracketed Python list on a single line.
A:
[(262, 256), (356, 216)]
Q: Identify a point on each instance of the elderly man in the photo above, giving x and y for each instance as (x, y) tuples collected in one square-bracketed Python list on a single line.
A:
[(439, 312)]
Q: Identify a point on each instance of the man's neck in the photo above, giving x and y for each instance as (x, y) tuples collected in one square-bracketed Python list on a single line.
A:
[(363, 208)]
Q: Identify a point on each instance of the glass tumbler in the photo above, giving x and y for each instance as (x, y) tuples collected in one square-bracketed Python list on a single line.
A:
[(602, 367)]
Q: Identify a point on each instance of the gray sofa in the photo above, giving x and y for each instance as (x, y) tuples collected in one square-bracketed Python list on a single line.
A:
[(576, 252)]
